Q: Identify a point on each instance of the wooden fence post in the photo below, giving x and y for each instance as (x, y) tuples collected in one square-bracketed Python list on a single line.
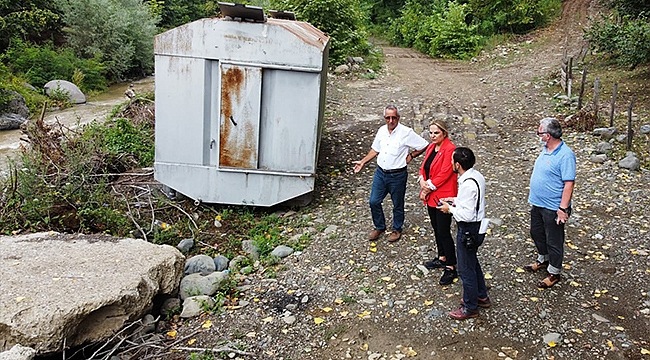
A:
[(596, 95), (630, 132), (569, 77), (612, 105), (582, 88)]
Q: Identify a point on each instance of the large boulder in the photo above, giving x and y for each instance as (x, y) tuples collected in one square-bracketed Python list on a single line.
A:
[(74, 93), (11, 121), (73, 289), (17, 104), (15, 114)]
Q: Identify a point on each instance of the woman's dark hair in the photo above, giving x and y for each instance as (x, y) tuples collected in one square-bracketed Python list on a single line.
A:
[(465, 157)]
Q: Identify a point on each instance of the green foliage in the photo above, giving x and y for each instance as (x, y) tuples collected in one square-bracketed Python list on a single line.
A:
[(35, 21), (441, 34), (266, 234), (120, 32), (178, 12), (124, 137), (342, 20), (60, 98), (458, 29), (513, 16), (9, 83), (201, 356), (629, 7), (63, 183), (626, 41), (40, 64)]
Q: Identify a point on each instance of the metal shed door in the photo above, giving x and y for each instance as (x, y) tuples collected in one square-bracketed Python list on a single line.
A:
[(241, 89)]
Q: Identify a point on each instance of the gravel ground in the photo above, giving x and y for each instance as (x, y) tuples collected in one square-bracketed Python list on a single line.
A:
[(345, 297)]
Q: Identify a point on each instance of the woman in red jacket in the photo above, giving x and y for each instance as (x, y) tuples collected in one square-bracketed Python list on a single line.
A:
[(437, 181)]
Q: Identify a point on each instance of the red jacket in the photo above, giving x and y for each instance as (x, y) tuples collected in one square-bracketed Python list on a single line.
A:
[(440, 172)]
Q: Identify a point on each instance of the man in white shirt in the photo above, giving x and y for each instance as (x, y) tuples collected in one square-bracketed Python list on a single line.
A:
[(469, 211), (392, 146)]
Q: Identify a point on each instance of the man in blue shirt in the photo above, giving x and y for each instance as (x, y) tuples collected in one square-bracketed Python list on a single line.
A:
[(551, 188)]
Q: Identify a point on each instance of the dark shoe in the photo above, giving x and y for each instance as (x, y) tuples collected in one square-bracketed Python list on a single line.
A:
[(549, 281), (536, 266), (394, 236), (434, 264), (482, 303), (448, 276), (462, 313), (375, 234)]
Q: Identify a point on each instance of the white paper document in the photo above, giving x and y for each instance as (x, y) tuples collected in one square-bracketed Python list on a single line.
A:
[(484, 226)]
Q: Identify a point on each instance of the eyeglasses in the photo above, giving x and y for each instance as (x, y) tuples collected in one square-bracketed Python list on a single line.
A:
[(391, 117), (434, 132), (540, 133)]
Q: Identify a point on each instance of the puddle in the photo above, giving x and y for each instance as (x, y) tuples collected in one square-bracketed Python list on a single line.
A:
[(96, 108)]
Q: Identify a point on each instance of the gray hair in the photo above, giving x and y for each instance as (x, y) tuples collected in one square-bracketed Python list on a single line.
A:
[(552, 127), (391, 107)]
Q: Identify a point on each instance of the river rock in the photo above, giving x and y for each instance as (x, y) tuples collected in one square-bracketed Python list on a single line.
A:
[(82, 288), (17, 104), (603, 148), (195, 305), (605, 133), (197, 284), (221, 262), (74, 93), (11, 121), (630, 162), (18, 352), (199, 264), (282, 251)]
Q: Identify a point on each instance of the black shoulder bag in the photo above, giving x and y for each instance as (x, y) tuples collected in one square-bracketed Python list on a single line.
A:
[(472, 240)]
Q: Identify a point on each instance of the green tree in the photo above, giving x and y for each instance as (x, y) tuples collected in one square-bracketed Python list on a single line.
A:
[(29, 20), (38, 64), (512, 16), (120, 32), (178, 12), (625, 40), (342, 20), (623, 35), (629, 7)]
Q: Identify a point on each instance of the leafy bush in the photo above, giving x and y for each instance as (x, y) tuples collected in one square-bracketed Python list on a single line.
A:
[(64, 182), (626, 41), (120, 32), (459, 28), (178, 12), (442, 33), (342, 20), (628, 7), (35, 21), (9, 82), (517, 16), (40, 64)]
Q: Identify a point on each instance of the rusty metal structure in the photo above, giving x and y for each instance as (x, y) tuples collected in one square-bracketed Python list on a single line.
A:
[(239, 109)]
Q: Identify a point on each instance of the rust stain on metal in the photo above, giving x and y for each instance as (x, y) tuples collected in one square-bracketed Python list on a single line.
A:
[(304, 31), (237, 144)]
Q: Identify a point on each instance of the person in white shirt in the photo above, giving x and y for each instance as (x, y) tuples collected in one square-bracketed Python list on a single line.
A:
[(468, 208), (393, 146)]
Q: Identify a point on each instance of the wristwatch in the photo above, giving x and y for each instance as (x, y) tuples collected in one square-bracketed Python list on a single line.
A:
[(564, 210)]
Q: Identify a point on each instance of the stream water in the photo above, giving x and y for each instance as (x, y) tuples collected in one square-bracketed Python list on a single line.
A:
[(96, 108)]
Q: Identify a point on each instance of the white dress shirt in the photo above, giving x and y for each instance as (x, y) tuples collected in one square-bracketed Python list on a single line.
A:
[(392, 148), (464, 208)]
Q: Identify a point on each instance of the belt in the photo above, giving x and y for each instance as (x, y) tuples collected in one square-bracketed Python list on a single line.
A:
[(392, 171)]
